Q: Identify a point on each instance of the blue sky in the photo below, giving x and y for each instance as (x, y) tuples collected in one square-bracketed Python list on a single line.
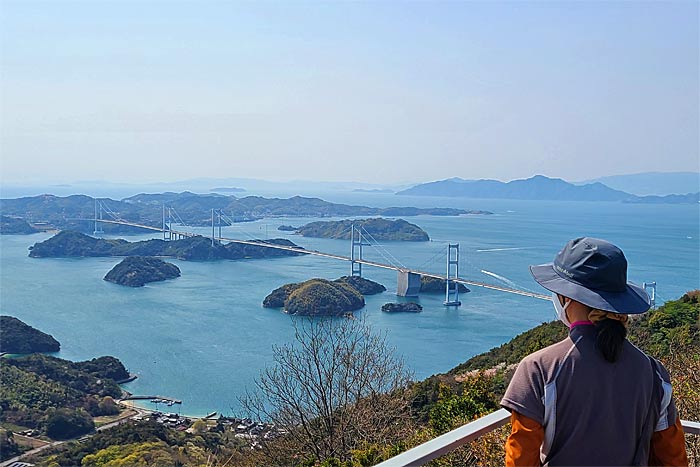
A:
[(376, 92)]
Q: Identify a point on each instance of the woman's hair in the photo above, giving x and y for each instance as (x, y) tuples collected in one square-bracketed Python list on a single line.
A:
[(612, 331)]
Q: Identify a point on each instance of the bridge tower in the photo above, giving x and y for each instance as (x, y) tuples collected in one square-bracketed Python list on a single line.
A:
[(168, 224), (356, 244), (215, 222), (98, 217), (650, 288), (212, 227), (165, 223), (452, 287)]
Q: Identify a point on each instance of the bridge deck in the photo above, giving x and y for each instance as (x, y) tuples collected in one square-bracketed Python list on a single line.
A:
[(262, 243)]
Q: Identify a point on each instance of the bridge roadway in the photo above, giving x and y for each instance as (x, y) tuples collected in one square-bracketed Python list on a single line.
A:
[(262, 243)]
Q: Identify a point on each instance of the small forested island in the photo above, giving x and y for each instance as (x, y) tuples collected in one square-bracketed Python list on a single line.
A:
[(405, 307), (435, 285), (15, 226), (287, 228), (319, 297), (343, 295), (76, 244), (379, 228), (18, 337), (137, 271), (278, 297)]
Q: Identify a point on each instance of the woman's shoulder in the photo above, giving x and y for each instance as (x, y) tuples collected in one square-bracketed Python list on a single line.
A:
[(545, 360), (553, 351)]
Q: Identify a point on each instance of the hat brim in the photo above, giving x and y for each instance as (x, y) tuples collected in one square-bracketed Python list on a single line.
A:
[(633, 300)]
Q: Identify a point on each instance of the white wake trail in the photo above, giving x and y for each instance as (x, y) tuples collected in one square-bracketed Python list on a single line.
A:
[(506, 249), (501, 278)]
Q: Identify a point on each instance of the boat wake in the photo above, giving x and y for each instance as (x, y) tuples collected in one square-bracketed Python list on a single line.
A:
[(505, 280), (506, 249)]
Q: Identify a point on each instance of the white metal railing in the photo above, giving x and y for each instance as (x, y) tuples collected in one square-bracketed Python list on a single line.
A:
[(454, 439)]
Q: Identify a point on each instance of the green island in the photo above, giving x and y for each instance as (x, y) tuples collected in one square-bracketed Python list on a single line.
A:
[(17, 337), (75, 244), (316, 297), (322, 297), (435, 285), (319, 297), (41, 385), (379, 228), (137, 271)]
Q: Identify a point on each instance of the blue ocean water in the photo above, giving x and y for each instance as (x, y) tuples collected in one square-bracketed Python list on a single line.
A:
[(204, 337)]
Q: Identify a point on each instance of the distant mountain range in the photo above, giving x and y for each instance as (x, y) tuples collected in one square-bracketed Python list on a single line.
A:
[(652, 183), (538, 187)]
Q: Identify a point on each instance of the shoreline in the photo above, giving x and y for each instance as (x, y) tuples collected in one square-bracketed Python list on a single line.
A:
[(131, 404)]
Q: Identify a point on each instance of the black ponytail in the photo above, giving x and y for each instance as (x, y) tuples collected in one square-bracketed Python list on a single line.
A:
[(610, 339)]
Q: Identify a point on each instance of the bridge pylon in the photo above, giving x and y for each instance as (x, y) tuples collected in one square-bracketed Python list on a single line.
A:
[(356, 244), (650, 289), (98, 218), (452, 287), (216, 215), (166, 223)]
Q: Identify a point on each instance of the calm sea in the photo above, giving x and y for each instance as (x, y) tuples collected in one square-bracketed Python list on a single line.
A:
[(204, 337)]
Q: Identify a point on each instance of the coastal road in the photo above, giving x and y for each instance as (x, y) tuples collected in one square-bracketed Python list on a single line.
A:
[(57, 443), (29, 453)]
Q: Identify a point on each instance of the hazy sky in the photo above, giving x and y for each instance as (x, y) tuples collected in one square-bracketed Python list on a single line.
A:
[(374, 92)]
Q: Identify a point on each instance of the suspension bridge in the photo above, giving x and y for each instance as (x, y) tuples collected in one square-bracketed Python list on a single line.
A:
[(408, 280)]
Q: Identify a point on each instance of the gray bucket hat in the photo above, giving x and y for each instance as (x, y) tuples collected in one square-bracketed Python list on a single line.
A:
[(593, 272)]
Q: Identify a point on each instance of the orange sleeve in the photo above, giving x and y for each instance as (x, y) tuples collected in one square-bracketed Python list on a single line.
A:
[(523, 444), (668, 447)]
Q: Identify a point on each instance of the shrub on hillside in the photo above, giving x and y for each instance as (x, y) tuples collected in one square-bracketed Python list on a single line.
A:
[(68, 423)]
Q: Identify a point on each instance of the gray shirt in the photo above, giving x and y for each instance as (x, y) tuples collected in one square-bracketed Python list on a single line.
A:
[(594, 412)]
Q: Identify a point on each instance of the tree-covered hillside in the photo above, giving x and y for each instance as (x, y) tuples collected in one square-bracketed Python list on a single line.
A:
[(19, 337), (35, 387), (75, 244)]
